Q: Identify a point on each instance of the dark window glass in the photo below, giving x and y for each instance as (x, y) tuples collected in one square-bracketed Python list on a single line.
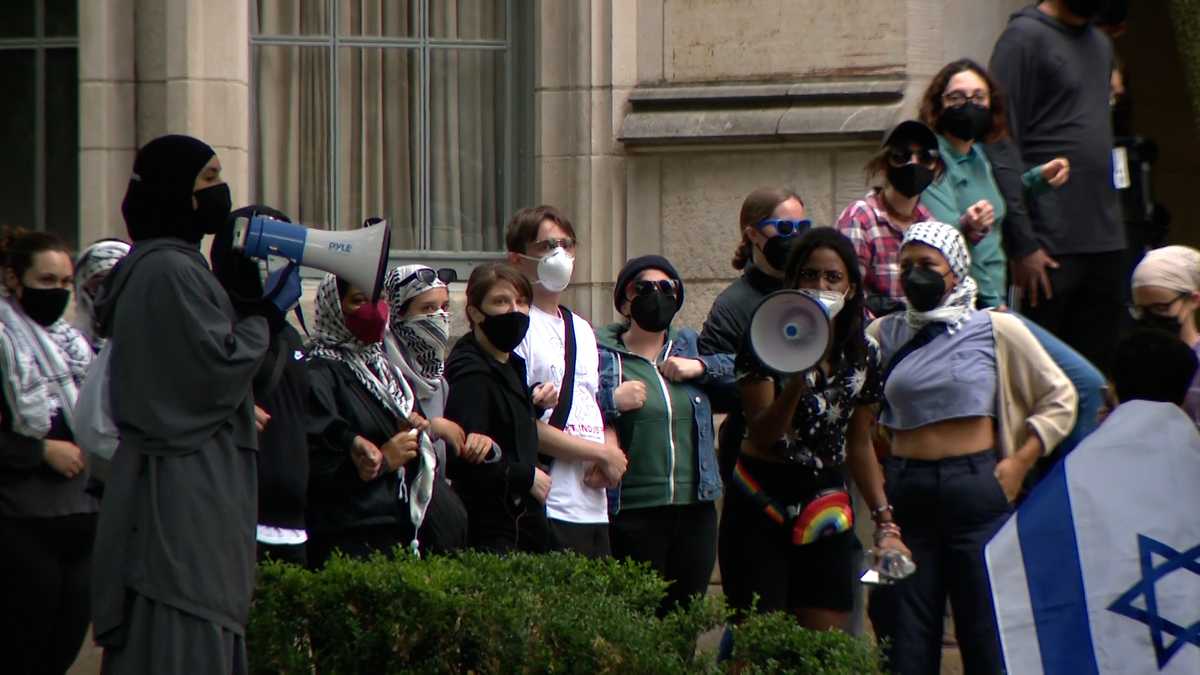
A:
[(17, 138), (62, 18), (16, 19), (62, 144)]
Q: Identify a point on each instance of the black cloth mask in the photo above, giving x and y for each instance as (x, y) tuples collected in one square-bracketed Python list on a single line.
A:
[(1170, 324), (923, 287), (158, 201), (910, 180), (505, 331), (967, 122), (1085, 9), (44, 305), (777, 249), (653, 311), (212, 208)]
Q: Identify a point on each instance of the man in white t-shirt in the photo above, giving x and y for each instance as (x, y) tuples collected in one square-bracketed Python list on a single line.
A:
[(541, 243)]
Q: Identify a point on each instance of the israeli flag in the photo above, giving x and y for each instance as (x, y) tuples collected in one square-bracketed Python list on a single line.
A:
[(1099, 570)]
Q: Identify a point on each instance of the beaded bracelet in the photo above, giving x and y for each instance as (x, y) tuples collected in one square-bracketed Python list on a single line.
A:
[(875, 513), (885, 530)]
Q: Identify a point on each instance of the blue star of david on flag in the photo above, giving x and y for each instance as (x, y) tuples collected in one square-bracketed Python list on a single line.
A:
[(1144, 588)]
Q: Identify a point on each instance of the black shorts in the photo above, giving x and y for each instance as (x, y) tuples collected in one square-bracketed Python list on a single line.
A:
[(757, 556)]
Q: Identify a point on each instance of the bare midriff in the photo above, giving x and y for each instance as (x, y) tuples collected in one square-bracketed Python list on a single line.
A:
[(948, 438)]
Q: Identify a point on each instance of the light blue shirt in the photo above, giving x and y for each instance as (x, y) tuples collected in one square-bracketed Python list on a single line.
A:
[(952, 377)]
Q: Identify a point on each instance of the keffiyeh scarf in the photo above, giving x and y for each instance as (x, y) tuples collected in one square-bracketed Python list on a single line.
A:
[(957, 307), (417, 346), (42, 367), (333, 340), (99, 258)]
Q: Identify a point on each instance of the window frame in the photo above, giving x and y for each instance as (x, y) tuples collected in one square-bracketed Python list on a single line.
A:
[(516, 182), (39, 43)]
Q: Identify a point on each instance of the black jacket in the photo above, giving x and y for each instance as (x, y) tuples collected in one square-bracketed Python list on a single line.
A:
[(340, 408), (724, 333), (1056, 78), (282, 389), (491, 398)]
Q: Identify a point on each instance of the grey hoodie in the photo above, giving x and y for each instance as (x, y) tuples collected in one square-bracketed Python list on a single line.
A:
[(1056, 80)]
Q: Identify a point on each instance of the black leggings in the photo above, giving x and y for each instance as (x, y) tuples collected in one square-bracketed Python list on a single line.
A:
[(679, 542), (44, 579)]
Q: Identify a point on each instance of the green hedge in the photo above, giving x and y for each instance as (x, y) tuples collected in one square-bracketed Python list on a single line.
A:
[(481, 613)]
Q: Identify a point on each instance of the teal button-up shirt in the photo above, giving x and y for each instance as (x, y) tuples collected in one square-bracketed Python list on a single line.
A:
[(968, 179)]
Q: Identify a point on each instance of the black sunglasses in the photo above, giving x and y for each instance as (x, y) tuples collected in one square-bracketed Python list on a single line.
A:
[(667, 286), (899, 157), (426, 275)]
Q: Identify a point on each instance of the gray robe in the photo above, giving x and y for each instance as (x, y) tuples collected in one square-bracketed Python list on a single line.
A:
[(177, 523)]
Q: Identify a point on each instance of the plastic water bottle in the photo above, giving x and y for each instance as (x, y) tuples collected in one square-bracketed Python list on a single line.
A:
[(889, 565)]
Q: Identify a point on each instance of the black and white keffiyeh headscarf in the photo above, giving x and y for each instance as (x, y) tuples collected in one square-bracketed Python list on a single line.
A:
[(99, 258), (43, 368), (417, 345), (956, 308), (333, 340)]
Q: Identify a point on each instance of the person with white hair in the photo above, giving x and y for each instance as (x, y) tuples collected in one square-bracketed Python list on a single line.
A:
[(971, 401), (1166, 295)]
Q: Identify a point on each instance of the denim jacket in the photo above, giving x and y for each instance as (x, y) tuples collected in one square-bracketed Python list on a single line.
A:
[(717, 371)]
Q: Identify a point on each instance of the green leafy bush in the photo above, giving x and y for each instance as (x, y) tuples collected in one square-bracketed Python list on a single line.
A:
[(482, 613)]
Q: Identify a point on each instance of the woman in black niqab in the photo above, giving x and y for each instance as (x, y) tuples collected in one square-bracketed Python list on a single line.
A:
[(174, 559), (176, 190)]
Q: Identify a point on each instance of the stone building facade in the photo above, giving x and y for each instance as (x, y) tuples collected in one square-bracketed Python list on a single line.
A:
[(646, 120)]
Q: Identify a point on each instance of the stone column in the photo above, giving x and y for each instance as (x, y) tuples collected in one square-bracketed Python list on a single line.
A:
[(107, 125), (578, 161), (193, 72)]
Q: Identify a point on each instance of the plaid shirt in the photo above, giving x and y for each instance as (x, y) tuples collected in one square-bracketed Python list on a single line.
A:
[(877, 242)]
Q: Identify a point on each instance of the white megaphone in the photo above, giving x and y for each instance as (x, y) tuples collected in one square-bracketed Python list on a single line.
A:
[(790, 331), (358, 256)]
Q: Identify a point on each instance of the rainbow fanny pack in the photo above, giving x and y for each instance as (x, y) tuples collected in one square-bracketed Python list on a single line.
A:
[(826, 514)]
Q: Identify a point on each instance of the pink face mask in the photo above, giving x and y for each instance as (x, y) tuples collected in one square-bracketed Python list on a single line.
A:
[(368, 322)]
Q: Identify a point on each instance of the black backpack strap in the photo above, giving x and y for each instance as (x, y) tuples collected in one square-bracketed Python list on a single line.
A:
[(923, 337), (566, 391)]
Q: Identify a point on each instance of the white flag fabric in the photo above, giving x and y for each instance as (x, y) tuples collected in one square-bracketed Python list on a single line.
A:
[(1099, 569)]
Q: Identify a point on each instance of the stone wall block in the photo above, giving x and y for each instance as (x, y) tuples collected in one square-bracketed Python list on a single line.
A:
[(702, 195), (565, 123), (106, 40), (107, 111), (723, 40)]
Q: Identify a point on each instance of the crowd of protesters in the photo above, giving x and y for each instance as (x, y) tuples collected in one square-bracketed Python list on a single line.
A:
[(970, 295)]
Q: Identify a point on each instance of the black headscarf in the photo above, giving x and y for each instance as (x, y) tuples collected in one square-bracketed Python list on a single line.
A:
[(158, 202), (238, 274)]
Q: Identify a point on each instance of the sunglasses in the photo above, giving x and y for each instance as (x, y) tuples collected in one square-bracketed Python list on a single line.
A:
[(427, 276), (666, 286), (786, 228), (811, 275), (540, 248), (898, 157)]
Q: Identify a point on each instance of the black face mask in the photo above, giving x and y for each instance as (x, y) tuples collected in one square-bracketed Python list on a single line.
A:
[(505, 331), (776, 251), (653, 311), (924, 288), (910, 180), (1085, 9), (967, 122), (212, 210), (1170, 324), (45, 305)]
